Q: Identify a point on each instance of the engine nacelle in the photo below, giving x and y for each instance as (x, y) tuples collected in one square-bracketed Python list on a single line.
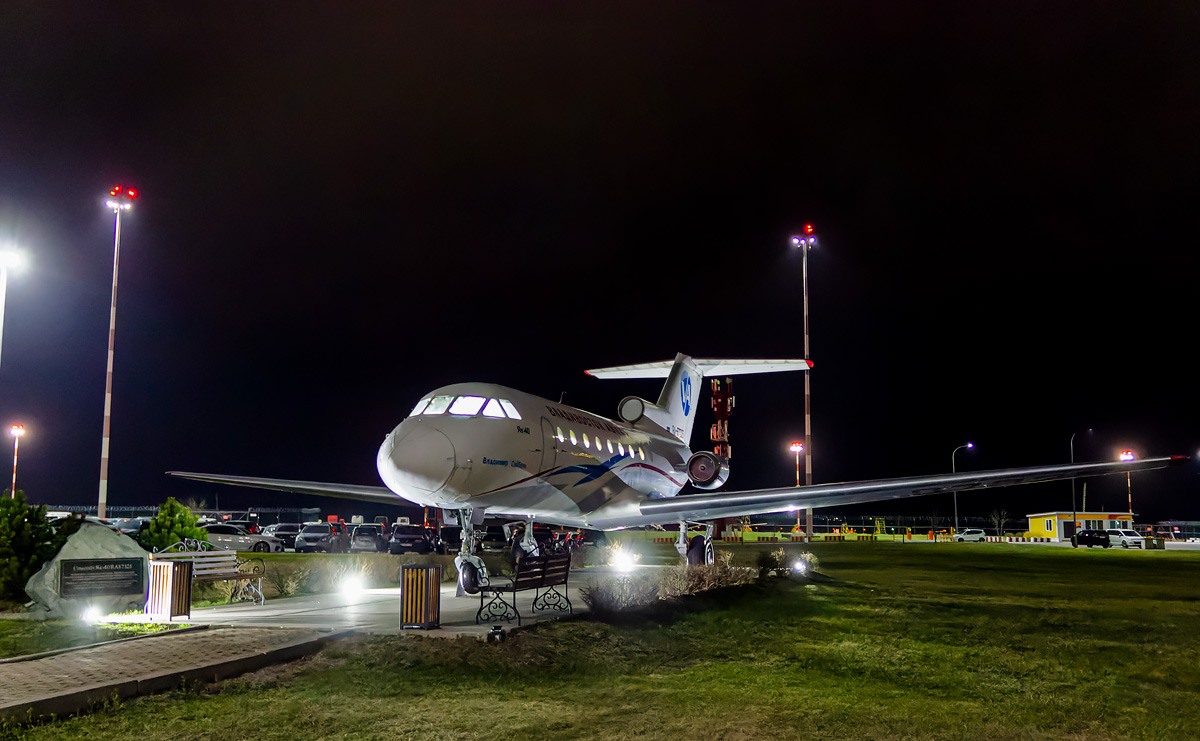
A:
[(707, 470), (631, 409)]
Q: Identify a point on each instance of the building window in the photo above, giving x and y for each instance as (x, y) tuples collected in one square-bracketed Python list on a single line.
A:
[(1049, 526)]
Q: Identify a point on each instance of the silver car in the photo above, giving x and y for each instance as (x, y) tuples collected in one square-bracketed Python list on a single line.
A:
[(971, 535), (1126, 539), (234, 538)]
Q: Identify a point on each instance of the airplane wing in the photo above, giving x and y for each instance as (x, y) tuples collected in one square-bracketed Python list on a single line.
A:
[(763, 501), (375, 494)]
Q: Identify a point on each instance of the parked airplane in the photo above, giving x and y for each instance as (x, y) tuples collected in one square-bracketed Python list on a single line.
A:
[(480, 450)]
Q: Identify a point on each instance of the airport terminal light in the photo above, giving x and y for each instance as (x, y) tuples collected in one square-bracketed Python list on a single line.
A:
[(120, 199), (797, 447), (954, 469), (16, 431), (10, 257), (1127, 455), (1074, 512), (806, 241)]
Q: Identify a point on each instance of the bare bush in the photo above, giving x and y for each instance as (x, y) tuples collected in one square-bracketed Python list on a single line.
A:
[(680, 580), (286, 578), (623, 593)]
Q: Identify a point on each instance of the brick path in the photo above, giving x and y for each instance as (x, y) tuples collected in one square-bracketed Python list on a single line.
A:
[(72, 681)]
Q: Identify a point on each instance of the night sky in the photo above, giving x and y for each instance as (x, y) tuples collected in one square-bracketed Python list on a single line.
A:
[(345, 205)]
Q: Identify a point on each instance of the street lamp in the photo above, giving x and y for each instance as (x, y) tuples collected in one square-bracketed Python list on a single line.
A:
[(120, 199), (797, 447), (10, 257), (954, 469), (805, 242), (16, 431), (1127, 455), (1074, 512)]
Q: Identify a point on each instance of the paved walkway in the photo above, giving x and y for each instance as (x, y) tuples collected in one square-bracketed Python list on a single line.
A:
[(237, 638), (71, 681)]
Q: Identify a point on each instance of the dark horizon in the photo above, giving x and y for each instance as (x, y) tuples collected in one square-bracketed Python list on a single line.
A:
[(341, 209)]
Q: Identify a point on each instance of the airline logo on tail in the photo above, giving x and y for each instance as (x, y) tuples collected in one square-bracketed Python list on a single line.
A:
[(685, 393)]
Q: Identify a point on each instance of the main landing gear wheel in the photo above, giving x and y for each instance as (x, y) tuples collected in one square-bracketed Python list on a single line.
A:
[(468, 577), (700, 551)]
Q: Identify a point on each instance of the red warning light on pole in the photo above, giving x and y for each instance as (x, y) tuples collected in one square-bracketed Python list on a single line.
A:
[(131, 192), (116, 191), (808, 228)]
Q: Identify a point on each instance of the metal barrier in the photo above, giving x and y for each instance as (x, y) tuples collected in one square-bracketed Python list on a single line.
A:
[(420, 596)]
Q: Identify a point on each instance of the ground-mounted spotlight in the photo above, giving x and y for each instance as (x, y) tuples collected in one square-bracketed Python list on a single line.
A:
[(352, 586), (800, 567), (622, 560), (91, 614)]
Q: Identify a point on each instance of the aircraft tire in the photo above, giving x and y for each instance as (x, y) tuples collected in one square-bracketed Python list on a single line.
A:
[(696, 551), (468, 577)]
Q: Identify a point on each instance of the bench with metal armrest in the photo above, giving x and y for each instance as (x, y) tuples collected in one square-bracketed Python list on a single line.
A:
[(172, 594), (532, 572)]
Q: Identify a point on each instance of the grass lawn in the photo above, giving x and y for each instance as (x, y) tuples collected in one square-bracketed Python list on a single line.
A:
[(987, 641), (24, 637)]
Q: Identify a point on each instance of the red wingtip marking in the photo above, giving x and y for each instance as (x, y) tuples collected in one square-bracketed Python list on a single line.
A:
[(1180, 458), (589, 373), (810, 364)]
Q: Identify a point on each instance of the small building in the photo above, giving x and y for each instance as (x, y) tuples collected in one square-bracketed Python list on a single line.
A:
[(1062, 525)]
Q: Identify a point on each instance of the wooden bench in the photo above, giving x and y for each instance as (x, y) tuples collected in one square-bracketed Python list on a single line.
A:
[(172, 595), (533, 572)]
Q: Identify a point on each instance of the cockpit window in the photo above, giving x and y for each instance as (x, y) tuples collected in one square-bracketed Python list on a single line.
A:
[(509, 409), (492, 409), (420, 407), (467, 405), (438, 404)]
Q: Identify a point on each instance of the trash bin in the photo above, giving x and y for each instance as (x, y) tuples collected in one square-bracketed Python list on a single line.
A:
[(420, 596), (170, 589)]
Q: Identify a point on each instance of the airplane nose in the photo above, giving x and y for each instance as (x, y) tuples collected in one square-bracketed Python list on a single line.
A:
[(422, 460)]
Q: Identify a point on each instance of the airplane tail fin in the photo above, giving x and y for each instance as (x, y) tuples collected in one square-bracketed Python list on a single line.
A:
[(676, 407)]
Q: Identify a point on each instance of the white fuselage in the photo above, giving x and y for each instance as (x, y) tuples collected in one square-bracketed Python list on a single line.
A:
[(518, 455)]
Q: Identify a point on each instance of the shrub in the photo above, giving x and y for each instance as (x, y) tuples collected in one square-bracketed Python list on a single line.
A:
[(26, 542), (612, 596), (173, 523), (286, 578), (680, 580)]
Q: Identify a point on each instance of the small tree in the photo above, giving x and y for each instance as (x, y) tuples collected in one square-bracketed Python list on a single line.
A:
[(26, 542), (998, 518), (173, 523)]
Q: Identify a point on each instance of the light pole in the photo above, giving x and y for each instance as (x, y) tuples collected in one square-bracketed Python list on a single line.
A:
[(954, 469), (1127, 455), (16, 431), (806, 242), (1074, 512), (120, 199), (797, 447), (10, 257)]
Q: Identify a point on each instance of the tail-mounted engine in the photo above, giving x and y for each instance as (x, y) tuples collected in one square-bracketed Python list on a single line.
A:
[(707, 470)]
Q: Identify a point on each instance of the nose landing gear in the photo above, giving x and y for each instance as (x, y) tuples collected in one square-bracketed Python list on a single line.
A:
[(472, 573)]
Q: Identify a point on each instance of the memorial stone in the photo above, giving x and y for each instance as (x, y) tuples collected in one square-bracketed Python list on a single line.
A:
[(96, 568)]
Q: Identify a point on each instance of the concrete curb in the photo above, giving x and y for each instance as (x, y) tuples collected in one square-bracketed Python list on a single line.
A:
[(81, 699)]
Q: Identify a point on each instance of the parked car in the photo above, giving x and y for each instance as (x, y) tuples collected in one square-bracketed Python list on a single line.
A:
[(494, 539), (131, 526), (1090, 538), (285, 531), (324, 537), (1126, 539), (250, 526), (368, 539), (450, 540), (410, 539), (234, 538), (971, 535)]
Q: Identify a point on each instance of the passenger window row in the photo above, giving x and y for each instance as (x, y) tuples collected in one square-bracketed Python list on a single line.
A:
[(467, 406), (634, 451)]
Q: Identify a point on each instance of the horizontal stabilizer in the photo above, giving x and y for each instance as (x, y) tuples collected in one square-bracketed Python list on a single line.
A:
[(707, 367)]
